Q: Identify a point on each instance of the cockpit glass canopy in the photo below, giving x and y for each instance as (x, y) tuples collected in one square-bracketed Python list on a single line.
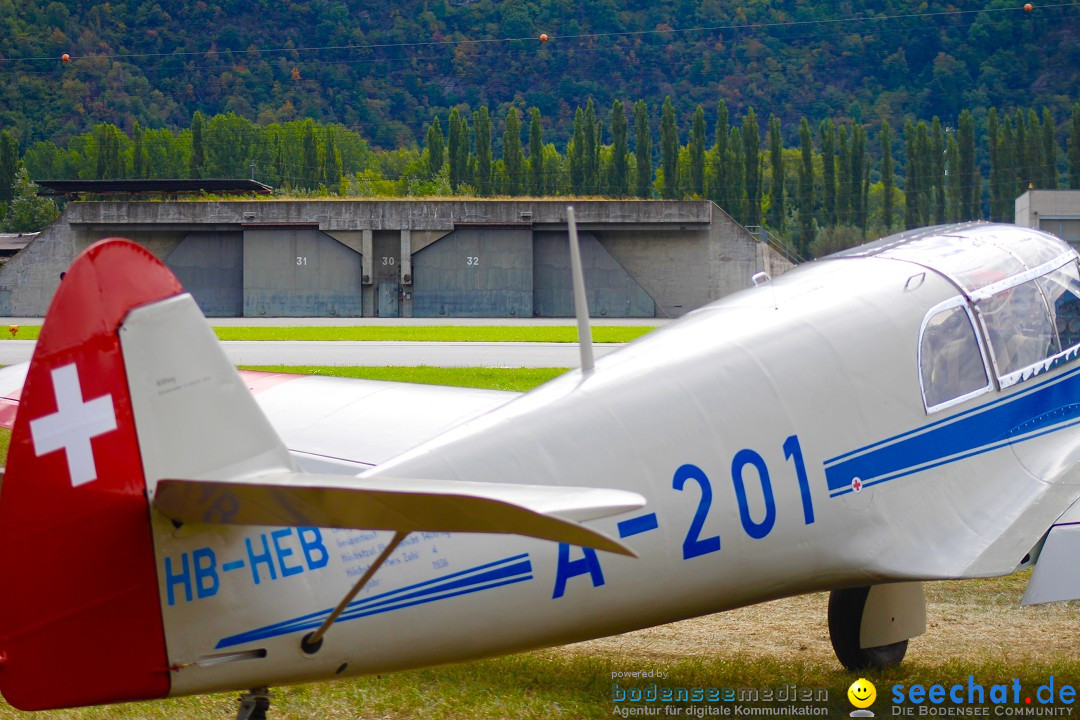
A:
[(973, 255)]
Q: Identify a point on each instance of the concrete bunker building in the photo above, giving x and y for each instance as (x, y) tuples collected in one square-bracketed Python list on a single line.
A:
[(411, 258)]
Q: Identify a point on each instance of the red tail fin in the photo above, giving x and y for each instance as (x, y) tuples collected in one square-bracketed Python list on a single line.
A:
[(80, 618)]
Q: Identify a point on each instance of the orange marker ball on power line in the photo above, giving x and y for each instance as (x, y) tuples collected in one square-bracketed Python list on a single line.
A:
[(543, 37), (65, 57), (1028, 7)]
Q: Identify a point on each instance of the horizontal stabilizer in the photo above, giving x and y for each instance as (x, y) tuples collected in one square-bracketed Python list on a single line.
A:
[(294, 499)]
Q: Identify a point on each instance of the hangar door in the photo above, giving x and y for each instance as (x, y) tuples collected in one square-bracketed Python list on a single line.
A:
[(299, 272), (475, 272), (611, 290), (210, 266)]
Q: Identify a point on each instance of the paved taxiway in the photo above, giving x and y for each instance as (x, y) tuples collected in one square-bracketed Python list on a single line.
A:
[(439, 354)]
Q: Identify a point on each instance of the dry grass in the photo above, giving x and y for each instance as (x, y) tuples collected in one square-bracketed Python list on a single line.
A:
[(970, 621)]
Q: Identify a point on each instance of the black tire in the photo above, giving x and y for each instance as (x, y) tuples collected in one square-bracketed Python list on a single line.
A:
[(845, 620)]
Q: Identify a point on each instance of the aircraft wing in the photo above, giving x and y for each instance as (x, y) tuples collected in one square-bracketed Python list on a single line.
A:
[(333, 424), (329, 421), (12, 378)]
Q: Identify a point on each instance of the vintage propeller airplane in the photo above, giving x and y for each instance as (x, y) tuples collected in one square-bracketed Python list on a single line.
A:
[(904, 411)]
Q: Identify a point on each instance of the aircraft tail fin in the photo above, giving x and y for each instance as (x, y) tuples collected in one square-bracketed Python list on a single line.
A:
[(129, 389), (188, 397), (80, 618)]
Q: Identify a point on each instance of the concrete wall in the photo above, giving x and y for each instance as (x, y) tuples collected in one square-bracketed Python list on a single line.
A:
[(29, 279), (475, 272), (386, 274), (678, 255), (299, 272), (426, 215), (211, 267), (1053, 211), (611, 291)]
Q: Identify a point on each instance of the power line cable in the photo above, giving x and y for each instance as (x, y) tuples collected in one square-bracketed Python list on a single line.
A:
[(553, 36)]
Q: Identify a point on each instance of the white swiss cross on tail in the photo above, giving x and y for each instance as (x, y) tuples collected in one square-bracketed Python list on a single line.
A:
[(73, 424)]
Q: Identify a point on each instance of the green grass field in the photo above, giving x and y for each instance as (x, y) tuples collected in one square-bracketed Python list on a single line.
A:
[(517, 379), (976, 629), (554, 685), (409, 333)]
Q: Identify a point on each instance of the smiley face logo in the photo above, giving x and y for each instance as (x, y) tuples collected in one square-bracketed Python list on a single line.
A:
[(862, 693)]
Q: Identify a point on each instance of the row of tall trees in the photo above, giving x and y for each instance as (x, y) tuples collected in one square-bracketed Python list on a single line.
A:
[(298, 155), (791, 192), (833, 176)]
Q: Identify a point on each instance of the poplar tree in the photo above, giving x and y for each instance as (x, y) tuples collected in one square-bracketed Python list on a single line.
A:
[(198, 151), (619, 181), (1007, 176), (806, 191), (589, 165), (536, 155), (887, 179), (279, 160), (309, 153), (993, 145), (110, 164), (138, 152), (482, 133), (859, 177), (697, 153), (966, 140), (937, 171), (1021, 157), (776, 160), (737, 182), (331, 162), (719, 183), (955, 181), (513, 157), (1074, 149), (828, 174), (454, 141), (911, 179), (600, 186), (436, 147), (1049, 150), (642, 150), (669, 150), (751, 142), (464, 158), (1035, 160), (576, 152), (843, 178), (925, 167)]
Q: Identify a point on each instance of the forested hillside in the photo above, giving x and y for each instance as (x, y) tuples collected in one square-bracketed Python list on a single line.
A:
[(822, 123), (385, 69)]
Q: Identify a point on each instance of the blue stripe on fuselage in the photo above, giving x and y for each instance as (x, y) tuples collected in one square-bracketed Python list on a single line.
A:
[(507, 571), (1040, 408)]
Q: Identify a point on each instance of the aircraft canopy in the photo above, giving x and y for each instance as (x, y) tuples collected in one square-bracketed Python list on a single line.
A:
[(979, 257)]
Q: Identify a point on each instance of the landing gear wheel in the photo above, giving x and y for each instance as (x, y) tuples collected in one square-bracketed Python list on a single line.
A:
[(845, 621), (254, 704)]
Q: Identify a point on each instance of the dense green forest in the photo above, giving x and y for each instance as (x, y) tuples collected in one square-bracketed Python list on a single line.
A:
[(822, 123), (385, 69)]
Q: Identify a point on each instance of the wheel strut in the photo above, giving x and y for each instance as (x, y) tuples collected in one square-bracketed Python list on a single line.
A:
[(254, 704)]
